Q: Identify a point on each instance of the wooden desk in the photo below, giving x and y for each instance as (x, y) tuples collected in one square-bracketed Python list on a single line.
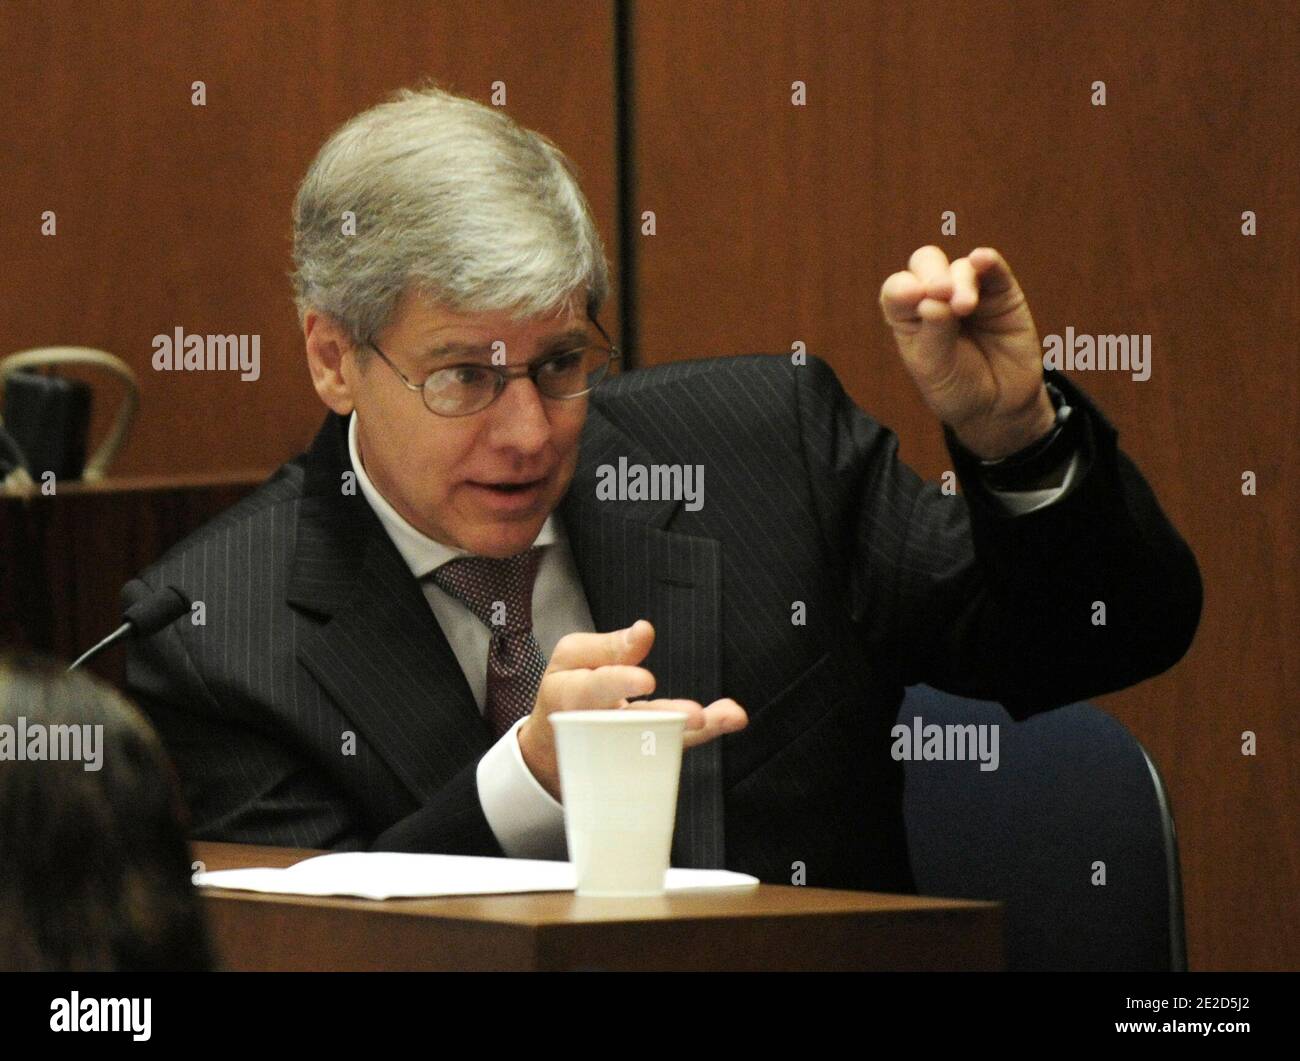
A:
[(768, 927)]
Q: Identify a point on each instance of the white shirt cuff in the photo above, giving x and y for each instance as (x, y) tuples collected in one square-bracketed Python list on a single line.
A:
[(526, 820), (1020, 502)]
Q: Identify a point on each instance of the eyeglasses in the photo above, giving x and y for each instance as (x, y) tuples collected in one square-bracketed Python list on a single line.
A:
[(470, 387)]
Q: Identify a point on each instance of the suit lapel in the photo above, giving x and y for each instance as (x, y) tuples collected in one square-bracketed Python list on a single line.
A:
[(381, 655), (633, 568), (384, 659)]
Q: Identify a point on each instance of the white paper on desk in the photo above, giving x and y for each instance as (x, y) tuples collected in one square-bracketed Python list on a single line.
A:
[(397, 875)]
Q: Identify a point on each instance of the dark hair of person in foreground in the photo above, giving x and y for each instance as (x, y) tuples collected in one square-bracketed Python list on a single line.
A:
[(94, 864)]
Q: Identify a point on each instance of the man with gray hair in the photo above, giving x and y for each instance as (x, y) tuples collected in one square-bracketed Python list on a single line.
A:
[(392, 617)]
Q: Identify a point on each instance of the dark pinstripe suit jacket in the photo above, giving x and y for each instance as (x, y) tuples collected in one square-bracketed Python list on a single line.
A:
[(315, 628)]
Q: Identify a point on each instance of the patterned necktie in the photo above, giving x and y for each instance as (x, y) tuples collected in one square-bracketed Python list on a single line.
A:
[(500, 594)]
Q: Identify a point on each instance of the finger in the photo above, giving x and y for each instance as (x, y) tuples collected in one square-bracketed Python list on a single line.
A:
[(721, 716), (931, 267), (604, 687), (693, 711), (726, 715), (966, 293), (900, 294), (999, 291), (936, 313), (628, 646), (992, 269)]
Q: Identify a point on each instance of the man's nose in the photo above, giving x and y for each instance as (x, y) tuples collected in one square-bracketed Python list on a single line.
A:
[(519, 417)]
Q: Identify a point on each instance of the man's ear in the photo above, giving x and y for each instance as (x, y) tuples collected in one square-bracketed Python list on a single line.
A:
[(328, 350)]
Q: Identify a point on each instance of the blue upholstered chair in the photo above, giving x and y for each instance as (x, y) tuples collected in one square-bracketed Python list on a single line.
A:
[(1073, 787)]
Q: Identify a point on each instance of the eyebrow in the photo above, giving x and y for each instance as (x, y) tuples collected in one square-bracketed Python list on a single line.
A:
[(551, 345)]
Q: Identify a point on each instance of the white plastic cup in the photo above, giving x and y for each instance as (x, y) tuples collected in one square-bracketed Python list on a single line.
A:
[(619, 771)]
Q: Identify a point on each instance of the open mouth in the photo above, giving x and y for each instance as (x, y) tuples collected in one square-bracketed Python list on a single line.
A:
[(511, 495)]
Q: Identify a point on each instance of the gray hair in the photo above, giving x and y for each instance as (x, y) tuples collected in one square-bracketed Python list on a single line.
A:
[(452, 198)]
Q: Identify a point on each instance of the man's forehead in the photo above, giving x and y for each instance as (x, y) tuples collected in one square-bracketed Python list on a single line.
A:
[(435, 329), (550, 342)]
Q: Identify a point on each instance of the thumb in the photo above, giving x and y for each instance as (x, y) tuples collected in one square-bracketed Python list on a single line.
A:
[(626, 647), (636, 641), (925, 328)]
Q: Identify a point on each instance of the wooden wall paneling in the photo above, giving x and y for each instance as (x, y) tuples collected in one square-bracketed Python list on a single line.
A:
[(170, 214), (778, 223)]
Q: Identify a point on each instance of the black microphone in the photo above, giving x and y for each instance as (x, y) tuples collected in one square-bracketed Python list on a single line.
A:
[(143, 618)]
